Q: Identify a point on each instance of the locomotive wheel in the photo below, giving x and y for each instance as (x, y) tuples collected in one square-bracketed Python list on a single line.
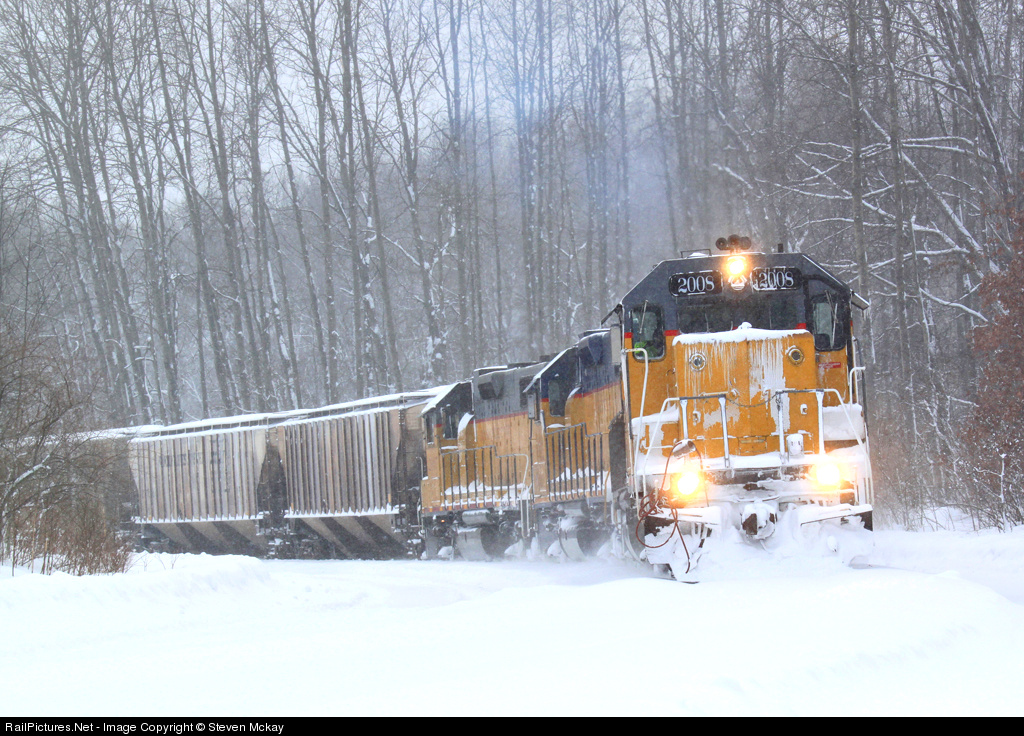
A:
[(497, 539)]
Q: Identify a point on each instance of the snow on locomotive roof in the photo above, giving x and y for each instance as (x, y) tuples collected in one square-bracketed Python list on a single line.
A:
[(439, 396), (743, 333)]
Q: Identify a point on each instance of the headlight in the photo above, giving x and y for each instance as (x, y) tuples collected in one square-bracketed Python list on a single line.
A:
[(736, 272), (736, 266), (687, 483), (827, 474)]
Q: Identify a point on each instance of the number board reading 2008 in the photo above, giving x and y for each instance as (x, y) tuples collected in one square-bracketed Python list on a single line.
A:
[(695, 284), (775, 278)]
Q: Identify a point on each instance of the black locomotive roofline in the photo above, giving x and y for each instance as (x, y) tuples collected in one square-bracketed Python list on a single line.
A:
[(654, 287), (669, 288), (503, 391)]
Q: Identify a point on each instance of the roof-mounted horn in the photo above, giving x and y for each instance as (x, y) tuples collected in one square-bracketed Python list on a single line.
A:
[(733, 243)]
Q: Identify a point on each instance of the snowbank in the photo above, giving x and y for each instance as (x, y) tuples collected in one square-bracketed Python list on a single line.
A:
[(783, 630)]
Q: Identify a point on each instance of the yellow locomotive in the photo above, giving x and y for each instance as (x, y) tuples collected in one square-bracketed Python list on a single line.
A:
[(724, 394), (743, 392)]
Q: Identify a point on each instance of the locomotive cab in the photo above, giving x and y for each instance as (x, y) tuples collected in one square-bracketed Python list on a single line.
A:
[(741, 383)]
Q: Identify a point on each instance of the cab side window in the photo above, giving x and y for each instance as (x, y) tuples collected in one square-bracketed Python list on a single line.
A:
[(428, 427), (647, 324), (556, 397), (450, 423), (830, 321)]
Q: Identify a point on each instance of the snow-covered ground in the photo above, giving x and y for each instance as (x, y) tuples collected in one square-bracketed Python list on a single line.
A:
[(934, 626)]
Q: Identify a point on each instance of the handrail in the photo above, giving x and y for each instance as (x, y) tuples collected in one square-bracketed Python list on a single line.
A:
[(846, 414), (851, 384), (682, 416), (579, 453), (511, 491), (722, 397), (821, 397), (526, 467), (643, 400), (821, 394)]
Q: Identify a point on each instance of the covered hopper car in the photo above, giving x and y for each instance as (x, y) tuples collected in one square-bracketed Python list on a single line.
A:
[(724, 394), (340, 480)]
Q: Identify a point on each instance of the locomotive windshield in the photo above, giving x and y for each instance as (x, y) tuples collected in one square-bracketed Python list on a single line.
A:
[(768, 312), (829, 320), (816, 307)]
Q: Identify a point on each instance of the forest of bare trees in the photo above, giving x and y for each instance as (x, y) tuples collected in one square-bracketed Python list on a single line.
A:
[(218, 207)]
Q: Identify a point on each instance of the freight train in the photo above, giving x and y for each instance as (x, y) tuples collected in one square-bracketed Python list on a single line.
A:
[(723, 395)]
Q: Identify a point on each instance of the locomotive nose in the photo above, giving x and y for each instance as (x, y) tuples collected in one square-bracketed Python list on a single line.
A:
[(749, 374)]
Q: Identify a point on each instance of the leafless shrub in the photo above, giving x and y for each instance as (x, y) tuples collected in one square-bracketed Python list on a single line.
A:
[(61, 488)]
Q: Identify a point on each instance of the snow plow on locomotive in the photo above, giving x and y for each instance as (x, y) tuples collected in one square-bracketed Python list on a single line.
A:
[(724, 396)]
